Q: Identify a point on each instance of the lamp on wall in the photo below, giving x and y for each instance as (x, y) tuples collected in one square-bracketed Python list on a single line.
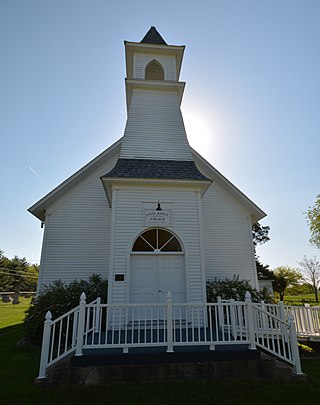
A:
[(159, 207)]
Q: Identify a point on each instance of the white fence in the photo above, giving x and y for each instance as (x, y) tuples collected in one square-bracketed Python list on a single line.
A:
[(105, 326)]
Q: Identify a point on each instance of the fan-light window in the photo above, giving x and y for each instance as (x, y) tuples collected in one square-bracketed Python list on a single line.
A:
[(156, 240)]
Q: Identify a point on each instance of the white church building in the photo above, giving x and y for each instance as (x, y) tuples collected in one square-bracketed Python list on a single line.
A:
[(149, 213)]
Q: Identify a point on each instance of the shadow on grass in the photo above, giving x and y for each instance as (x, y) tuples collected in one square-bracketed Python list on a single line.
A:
[(19, 368)]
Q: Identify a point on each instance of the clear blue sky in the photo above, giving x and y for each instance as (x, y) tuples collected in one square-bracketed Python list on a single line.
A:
[(251, 104)]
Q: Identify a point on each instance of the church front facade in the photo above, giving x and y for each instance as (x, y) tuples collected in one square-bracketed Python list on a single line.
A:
[(149, 213)]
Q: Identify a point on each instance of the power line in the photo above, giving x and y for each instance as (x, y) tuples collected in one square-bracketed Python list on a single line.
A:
[(19, 275), (15, 270)]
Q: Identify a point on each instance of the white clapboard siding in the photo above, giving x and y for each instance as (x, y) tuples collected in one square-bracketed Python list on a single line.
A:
[(168, 63), (155, 128), (227, 237), (129, 222), (77, 232)]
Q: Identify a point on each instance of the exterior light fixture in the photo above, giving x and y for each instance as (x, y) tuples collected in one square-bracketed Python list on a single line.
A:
[(159, 207)]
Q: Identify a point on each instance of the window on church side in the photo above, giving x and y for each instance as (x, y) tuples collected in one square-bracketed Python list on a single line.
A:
[(154, 71), (157, 239)]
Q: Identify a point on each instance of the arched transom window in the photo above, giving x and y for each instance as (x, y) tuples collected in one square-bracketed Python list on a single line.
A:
[(154, 71), (157, 240)]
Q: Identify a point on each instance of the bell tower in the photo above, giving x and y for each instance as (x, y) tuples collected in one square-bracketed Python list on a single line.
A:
[(154, 128)]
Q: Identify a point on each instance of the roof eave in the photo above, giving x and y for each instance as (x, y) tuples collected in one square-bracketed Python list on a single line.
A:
[(110, 182)]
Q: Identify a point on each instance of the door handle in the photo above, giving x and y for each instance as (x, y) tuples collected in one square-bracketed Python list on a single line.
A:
[(160, 290)]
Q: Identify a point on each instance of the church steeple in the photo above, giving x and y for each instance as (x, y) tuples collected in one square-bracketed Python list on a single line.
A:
[(155, 144), (155, 128)]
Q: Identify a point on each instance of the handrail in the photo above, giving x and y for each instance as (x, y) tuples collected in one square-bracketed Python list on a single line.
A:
[(65, 315)]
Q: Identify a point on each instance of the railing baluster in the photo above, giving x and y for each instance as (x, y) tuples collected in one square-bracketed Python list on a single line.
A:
[(53, 338), (59, 339), (67, 334)]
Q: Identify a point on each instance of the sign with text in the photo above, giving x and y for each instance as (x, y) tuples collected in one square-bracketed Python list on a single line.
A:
[(154, 217)]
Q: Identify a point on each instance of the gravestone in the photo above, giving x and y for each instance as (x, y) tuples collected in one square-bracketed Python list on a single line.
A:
[(16, 298), (6, 298)]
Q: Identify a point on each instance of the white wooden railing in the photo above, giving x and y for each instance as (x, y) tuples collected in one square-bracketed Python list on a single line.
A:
[(110, 326), (306, 318)]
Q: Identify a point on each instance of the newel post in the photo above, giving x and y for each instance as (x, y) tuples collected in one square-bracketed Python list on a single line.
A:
[(45, 345), (169, 324), (81, 321), (97, 315), (220, 313), (233, 318), (250, 322), (282, 313), (294, 345)]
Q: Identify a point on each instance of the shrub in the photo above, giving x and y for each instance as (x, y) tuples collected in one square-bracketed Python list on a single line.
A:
[(59, 298), (233, 289)]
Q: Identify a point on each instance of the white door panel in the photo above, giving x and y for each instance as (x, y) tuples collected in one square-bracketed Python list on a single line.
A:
[(143, 279), (152, 276), (171, 277)]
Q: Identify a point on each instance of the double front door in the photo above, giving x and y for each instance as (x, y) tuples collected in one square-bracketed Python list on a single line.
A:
[(154, 275)]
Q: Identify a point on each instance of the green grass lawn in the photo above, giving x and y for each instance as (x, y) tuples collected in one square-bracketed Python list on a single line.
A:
[(13, 314), (19, 367), (300, 299)]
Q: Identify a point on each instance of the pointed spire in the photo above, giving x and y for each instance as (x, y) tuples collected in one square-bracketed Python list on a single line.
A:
[(153, 37)]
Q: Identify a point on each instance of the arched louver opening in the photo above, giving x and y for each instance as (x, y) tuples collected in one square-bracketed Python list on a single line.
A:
[(154, 71)]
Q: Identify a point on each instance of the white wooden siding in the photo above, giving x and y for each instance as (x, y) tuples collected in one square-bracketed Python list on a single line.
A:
[(77, 234), (168, 63), (227, 238), (129, 222), (155, 128)]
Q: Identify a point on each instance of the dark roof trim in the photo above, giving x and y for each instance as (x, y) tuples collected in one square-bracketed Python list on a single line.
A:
[(156, 169)]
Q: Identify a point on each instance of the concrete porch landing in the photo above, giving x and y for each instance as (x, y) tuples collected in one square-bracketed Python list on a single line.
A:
[(95, 369)]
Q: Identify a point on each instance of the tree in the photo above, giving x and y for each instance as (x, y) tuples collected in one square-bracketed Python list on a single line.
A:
[(284, 277), (17, 274), (259, 237), (264, 272), (311, 271), (260, 234), (313, 219)]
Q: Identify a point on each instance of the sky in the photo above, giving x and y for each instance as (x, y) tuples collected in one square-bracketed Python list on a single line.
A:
[(251, 104)]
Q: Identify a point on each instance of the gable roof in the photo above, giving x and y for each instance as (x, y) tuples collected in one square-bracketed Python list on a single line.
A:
[(256, 212), (39, 208), (156, 169), (153, 37)]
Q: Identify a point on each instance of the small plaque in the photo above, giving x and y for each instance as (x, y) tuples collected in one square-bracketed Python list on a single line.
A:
[(154, 217), (119, 277)]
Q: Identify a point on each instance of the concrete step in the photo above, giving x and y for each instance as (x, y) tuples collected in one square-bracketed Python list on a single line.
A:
[(155, 367)]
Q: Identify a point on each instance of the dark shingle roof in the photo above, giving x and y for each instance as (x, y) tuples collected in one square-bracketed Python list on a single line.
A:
[(153, 37), (156, 169)]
